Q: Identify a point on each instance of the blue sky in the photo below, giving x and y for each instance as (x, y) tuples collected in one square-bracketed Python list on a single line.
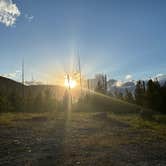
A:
[(117, 37)]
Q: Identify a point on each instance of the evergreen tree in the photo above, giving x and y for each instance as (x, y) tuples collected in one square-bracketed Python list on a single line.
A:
[(120, 95), (128, 96), (38, 102), (143, 84), (153, 94), (139, 93), (4, 103), (15, 101), (101, 83), (105, 83), (163, 95), (99, 87)]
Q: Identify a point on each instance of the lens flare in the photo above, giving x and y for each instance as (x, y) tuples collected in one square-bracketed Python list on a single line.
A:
[(70, 83)]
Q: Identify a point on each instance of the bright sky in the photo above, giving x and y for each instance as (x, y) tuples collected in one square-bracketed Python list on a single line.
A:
[(122, 38)]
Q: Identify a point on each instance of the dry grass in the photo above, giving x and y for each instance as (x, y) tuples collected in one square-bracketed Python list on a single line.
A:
[(104, 134)]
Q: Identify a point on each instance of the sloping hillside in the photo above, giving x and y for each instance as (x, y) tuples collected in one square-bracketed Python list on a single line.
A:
[(101, 102), (7, 85)]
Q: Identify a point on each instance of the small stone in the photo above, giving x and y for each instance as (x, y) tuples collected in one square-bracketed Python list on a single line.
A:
[(17, 142), (78, 163)]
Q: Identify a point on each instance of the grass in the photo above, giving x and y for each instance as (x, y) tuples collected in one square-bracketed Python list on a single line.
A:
[(115, 109), (127, 114), (137, 123), (10, 118), (94, 133)]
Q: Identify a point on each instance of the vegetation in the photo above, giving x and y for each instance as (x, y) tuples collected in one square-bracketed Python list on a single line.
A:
[(150, 95), (15, 97), (93, 129)]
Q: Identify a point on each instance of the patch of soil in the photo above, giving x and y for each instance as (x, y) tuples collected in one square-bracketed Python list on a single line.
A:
[(33, 119), (86, 140)]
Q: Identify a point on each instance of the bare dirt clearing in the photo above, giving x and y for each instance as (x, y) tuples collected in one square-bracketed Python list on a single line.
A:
[(79, 138)]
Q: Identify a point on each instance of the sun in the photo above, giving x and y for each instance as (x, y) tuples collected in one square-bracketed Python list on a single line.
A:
[(71, 83)]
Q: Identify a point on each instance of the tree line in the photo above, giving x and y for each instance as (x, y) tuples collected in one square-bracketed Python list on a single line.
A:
[(15, 101), (150, 95)]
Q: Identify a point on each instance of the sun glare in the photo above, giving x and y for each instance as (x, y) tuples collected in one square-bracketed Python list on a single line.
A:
[(70, 83)]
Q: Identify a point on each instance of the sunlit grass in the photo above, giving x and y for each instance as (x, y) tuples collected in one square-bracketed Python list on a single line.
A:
[(11, 117), (137, 123)]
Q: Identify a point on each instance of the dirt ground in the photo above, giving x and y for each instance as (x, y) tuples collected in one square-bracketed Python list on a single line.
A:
[(78, 138)]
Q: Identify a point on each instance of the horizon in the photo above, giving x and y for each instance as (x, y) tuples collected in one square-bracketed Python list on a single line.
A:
[(125, 40), (161, 78)]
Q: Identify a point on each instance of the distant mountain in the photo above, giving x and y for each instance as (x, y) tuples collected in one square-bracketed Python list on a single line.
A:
[(118, 86), (6, 81), (111, 82), (29, 83), (128, 84), (9, 86), (162, 79)]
